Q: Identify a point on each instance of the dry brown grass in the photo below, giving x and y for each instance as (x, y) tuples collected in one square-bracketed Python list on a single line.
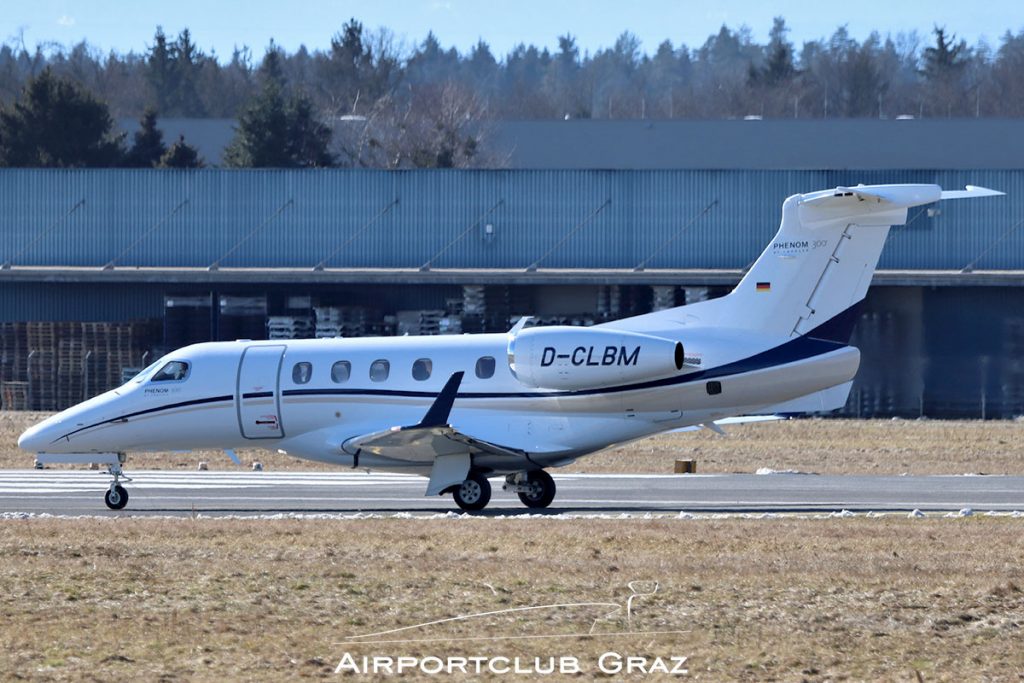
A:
[(823, 446), (783, 599)]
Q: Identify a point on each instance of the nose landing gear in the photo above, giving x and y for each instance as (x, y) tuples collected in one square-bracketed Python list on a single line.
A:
[(116, 496)]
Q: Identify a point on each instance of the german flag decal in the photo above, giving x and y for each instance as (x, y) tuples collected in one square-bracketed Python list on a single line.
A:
[(764, 286)]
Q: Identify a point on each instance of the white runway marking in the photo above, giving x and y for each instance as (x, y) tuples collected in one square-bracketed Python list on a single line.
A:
[(357, 492)]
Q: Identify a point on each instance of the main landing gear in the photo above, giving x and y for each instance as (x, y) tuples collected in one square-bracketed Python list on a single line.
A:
[(474, 493), (116, 496), (535, 488)]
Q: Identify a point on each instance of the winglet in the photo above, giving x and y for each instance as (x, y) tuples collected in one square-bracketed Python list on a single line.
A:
[(437, 415)]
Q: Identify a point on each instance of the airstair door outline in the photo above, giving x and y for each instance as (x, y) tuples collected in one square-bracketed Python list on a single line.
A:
[(258, 392)]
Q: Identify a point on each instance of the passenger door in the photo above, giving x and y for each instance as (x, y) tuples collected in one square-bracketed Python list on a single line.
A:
[(258, 392)]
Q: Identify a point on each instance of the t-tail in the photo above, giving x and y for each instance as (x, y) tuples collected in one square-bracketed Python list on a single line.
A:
[(820, 263), (817, 268)]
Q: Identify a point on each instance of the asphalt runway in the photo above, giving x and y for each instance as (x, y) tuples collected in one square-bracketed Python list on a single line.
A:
[(63, 492)]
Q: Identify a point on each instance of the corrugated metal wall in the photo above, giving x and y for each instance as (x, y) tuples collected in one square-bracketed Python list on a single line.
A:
[(299, 218)]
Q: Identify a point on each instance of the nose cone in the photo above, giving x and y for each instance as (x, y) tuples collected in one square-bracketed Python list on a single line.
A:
[(40, 438), (34, 439)]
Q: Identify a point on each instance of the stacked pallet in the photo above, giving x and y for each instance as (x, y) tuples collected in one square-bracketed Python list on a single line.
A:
[(41, 363), (52, 365), (290, 327), (70, 372), (13, 343), (430, 322), (664, 297), (341, 321), (474, 301), (14, 395), (609, 301)]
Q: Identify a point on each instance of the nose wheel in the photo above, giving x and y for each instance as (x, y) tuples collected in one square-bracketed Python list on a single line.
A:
[(116, 496)]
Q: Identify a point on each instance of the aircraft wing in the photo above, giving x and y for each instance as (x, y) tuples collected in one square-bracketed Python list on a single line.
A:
[(432, 441), (422, 443)]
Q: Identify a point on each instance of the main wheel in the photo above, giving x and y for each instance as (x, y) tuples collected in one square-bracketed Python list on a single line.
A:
[(542, 490), (116, 498), (474, 493)]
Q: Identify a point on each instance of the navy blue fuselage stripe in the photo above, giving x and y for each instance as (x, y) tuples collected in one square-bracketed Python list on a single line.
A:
[(258, 394), (147, 411), (801, 348)]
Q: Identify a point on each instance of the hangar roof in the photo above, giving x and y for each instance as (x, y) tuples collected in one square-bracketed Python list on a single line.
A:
[(948, 144)]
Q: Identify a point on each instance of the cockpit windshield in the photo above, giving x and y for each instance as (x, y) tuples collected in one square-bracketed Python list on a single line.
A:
[(175, 370), (143, 375)]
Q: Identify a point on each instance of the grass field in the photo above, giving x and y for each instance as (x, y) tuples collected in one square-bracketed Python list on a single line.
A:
[(774, 599), (823, 446)]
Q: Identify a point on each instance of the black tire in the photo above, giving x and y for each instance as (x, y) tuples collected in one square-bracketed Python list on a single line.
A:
[(543, 490), (473, 494), (117, 498)]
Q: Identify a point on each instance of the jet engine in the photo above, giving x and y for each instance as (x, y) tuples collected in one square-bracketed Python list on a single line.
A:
[(585, 358)]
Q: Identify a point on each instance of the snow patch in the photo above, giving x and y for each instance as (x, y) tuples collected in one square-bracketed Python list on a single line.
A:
[(915, 513), (769, 470)]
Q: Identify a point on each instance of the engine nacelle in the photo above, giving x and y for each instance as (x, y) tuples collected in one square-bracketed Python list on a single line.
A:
[(584, 358)]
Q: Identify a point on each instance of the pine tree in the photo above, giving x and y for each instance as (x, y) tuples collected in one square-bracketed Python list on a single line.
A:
[(148, 146), (55, 123), (278, 132), (181, 155)]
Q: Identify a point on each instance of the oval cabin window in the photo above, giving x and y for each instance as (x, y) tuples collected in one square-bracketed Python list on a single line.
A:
[(485, 367), (421, 369), (341, 371), (302, 372), (379, 370)]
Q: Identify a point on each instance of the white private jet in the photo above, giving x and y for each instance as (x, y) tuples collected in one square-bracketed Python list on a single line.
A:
[(458, 409)]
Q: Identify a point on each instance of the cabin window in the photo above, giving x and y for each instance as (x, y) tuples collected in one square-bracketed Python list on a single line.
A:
[(379, 370), (421, 369), (341, 371), (302, 372), (174, 371), (485, 367)]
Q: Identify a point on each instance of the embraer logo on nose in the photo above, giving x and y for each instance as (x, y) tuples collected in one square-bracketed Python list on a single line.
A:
[(584, 355)]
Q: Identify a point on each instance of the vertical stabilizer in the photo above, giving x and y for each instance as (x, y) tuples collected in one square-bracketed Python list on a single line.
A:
[(816, 269)]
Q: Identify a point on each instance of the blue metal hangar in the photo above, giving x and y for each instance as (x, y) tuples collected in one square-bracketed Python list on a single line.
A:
[(103, 270)]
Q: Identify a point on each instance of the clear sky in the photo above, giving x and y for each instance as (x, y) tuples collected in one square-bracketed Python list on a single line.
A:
[(124, 25)]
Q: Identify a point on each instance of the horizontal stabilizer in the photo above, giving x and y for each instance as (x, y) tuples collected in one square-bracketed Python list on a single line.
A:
[(971, 192)]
